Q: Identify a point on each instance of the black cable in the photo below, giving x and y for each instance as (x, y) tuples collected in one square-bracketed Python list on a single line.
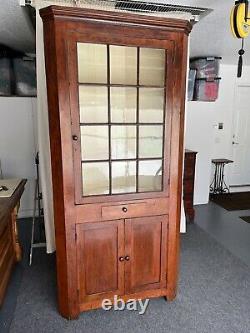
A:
[(240, 62)]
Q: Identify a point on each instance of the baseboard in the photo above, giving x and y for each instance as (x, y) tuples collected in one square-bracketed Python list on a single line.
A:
[(239, 188), (240, 185)]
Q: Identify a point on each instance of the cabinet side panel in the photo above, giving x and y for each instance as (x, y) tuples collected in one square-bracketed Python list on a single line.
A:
[(176, 166), (63, 208)]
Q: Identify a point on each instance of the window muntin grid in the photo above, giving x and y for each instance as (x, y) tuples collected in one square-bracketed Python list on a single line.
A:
[(122, 121)]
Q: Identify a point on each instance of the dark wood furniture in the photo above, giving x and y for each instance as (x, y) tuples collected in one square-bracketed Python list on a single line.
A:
[(116, 95), (10, 250), (188, 183), (218, 185)]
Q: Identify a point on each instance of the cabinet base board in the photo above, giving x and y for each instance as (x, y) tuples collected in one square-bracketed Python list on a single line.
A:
[(140, 295)]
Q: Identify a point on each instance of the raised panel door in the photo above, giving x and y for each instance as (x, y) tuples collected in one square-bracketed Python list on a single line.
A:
[(145, 253), (100, 247)]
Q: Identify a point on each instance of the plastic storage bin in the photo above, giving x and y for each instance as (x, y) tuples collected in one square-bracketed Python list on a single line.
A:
[(206, 67), (206, 90), (191, 84), (5, 76), (25, 76)]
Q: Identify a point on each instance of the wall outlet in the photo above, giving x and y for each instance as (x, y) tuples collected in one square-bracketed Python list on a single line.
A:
[(220, 126)]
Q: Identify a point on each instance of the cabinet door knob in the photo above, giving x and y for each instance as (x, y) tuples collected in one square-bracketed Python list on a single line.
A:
[(124, 209), (127, 258), (75, 137), (121, 259)]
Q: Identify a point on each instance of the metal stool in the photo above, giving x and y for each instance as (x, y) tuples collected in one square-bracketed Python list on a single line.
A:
[(218, 185)]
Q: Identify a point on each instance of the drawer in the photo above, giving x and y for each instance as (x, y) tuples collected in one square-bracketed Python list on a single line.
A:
[(189, 170), (188, 186), (6, 263), (123, 211), (5, 239), (6, 257)]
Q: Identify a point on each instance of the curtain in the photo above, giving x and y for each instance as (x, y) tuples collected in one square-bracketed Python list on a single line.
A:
[(43, 138), (183, 225)]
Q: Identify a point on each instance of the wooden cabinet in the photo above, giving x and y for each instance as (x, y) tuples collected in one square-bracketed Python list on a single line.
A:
[(188, 183), (116, 94), (10, 249)]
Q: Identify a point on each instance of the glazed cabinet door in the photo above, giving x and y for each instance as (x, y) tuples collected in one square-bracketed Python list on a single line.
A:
[(120, 118), (100, 248), (145, 253)]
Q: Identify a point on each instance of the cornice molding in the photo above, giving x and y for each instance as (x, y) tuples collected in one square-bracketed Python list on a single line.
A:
[(69, 13)]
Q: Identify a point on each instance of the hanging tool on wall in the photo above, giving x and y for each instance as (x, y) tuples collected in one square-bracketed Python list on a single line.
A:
[(240, 26)]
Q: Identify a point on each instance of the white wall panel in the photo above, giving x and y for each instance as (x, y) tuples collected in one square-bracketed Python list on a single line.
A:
[(18, 144)]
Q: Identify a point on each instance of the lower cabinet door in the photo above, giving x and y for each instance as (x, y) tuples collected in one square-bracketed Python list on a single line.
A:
[(100, 252), (145, 253)]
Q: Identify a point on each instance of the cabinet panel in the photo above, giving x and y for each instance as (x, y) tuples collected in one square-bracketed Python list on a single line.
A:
[(93, 104), (145, 250), (100, 245), (92, 63), (95, 178), (123, 65), (152, 66)]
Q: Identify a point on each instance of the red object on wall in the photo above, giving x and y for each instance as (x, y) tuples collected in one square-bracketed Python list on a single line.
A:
[(206, 90)]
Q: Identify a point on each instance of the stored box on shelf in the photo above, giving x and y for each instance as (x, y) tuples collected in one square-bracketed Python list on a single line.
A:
[(207, 67), (25, 76), (5, 76), (206, 90), (191, 84)]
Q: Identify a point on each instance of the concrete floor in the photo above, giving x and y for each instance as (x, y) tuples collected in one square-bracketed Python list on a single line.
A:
[(227, 228)]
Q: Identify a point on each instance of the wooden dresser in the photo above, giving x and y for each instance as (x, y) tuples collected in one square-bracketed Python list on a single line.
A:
[(188, 183), (10, 250)]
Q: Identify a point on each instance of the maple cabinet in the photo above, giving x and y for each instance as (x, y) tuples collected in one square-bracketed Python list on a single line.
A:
[(116, 92)]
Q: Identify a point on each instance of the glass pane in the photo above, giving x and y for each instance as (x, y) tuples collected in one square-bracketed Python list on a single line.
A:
[(123, 65), (151, 105), (93, 104), (150, 176), (95, 178), (150, 141), (123, 177), (94, 143), (123, 142), (92, 63), (123, 105), (152, 67)]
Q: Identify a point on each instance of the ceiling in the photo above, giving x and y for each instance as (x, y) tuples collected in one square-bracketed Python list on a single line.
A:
[(211, 36)]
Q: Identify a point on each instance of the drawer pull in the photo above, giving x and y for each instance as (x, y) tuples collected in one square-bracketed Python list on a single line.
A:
[(124, 209), (121, 259), (127, 258), (75, 137)]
